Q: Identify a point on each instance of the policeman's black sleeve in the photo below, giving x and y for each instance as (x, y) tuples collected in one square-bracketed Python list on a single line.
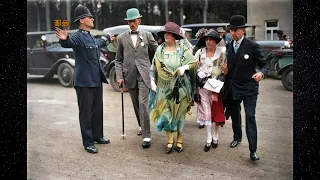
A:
[(71, 42)]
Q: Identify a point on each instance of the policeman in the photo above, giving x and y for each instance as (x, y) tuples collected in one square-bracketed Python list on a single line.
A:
[(88, 77)]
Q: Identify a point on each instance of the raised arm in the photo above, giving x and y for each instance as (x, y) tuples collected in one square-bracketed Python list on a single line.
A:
[(65, 40)]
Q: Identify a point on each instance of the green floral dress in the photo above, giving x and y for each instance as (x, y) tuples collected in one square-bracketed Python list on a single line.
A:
[(173, 97)]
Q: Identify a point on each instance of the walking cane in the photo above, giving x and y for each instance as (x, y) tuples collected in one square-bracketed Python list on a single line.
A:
[(123, 135)]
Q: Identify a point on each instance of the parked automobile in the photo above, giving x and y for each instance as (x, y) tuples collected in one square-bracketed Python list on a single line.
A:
[(283, 66), (47, 58), (111, 52)]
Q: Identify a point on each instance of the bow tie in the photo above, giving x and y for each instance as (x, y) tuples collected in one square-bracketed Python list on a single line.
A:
[(134, 32)]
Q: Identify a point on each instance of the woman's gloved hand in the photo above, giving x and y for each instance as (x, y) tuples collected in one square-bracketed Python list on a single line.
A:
[(201, 74), (182, 69), (153, 86)]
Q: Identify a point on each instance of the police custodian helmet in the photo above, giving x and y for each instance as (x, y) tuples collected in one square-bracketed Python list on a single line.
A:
[(81, 12)]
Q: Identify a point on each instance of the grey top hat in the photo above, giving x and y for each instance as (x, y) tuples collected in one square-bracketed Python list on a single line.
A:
[(81, 12), (132, 13), (237, 21)]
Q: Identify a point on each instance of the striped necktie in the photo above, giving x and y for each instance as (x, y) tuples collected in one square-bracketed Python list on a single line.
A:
[(236, 46)]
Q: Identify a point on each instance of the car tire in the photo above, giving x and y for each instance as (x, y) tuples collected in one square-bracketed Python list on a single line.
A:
[(287, 78), (65, 74), (274, 65), (113, 79)]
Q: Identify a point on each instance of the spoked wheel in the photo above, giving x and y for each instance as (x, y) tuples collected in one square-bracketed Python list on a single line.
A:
[(65, 74)]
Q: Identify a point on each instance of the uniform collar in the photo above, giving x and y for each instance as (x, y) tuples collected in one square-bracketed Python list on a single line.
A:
[(84, 31)]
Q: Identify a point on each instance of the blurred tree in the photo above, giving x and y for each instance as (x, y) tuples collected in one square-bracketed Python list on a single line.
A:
[(109, 13)]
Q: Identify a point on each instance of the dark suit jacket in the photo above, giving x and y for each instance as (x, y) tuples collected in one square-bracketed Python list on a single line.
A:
[(242, 66), (88, 70)]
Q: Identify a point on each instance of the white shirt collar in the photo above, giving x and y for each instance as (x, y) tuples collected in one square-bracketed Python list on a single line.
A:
[(138, 29), (239, 41)]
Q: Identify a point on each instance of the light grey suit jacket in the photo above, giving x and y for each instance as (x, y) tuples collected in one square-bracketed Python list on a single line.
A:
[(130, 60)]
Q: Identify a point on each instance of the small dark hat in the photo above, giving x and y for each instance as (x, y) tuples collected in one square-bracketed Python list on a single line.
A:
[(210, 33), (172, 28), (237, 21), (81, 12)]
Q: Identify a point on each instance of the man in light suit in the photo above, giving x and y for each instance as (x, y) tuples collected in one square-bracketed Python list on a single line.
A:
[(132, 66), (244, 55)]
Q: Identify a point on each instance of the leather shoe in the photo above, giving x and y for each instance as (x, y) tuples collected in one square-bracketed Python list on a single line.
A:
[(214, 143), (91, 149), (102, 141), (207, 147), (201, 126), (146, 144), (254, 156), (169, 149), (139, 133), (234, 143)]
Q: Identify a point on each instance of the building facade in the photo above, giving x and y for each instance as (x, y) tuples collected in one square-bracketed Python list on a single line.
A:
[(270, 16)]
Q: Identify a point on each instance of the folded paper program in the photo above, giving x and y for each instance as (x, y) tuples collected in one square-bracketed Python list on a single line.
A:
[(214, 85)]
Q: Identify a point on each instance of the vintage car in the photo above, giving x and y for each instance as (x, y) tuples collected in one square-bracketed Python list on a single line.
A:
[(47, 58), (282, 63), (109, 53)]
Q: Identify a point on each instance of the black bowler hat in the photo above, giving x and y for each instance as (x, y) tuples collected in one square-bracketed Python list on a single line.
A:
[(81, 12), (237, 21)]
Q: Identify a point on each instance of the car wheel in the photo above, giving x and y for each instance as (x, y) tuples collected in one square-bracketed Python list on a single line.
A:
[(287, 78), (113, 79), (274, 63), (65, 74)]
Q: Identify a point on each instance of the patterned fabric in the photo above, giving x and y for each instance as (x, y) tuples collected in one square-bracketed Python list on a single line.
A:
[(209, 111), (172, 100), (204, 107)]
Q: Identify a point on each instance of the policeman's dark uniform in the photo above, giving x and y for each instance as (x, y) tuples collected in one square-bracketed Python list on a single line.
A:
[(88, 78)]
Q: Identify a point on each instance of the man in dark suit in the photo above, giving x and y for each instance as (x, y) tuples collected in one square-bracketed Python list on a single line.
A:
[(88, 77), (244, 58)]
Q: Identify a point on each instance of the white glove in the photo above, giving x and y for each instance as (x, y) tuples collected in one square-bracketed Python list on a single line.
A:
[(201, 74), (182, 69), (153, 86)]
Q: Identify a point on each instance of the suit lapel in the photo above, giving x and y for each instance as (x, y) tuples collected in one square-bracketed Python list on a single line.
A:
[(242, 45), (128, 37), (231, 49), (140, 34)]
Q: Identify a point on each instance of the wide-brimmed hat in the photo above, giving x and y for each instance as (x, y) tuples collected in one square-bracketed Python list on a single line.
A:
[(173, 28), (210, 33), (220, 30), (81, 12), (132, 14), (237, 21)]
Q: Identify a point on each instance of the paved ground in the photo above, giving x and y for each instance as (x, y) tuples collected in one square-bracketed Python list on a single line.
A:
[(55, 148)]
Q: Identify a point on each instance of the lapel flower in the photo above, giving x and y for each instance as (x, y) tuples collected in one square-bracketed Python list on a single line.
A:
[(246, 56), (141, 37)]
